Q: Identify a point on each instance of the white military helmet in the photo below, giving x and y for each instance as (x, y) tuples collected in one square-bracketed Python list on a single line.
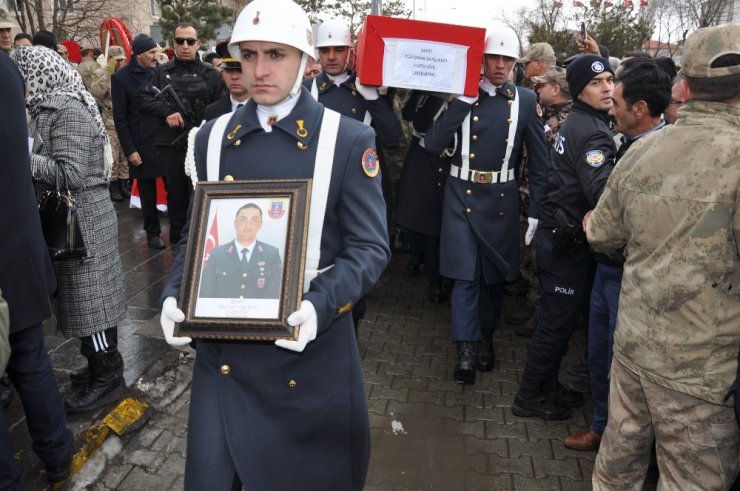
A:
[(275, 21), (334, 32), (501, 40)]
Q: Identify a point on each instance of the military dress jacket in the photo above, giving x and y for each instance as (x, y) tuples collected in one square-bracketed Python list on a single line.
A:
[(673, 201), (347, 101), (421, 187), (481, 220), (227, 276), (293, 420)]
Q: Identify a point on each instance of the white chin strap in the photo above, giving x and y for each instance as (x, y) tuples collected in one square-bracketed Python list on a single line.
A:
[(299, 78)]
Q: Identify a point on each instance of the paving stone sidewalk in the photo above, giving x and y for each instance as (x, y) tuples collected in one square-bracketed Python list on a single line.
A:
[(428, 433)]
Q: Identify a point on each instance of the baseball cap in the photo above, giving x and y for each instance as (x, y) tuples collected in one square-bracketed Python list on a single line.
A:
[(5, 19), (554, 75), (704, 46), (539, 51)]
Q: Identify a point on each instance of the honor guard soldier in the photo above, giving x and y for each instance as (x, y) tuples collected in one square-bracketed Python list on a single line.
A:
[(290, 414), (480, 221), (421, 189), (339, 89), (582, 159)]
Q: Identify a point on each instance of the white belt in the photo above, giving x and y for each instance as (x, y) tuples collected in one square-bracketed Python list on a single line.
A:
[(482, 177)]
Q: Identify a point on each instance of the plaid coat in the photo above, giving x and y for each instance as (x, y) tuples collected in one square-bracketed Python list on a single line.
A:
[(91, 294)]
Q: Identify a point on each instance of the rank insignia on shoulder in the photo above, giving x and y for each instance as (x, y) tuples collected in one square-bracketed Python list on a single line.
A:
[(232, 133), (301, 131), (370, 163), (595, 158)]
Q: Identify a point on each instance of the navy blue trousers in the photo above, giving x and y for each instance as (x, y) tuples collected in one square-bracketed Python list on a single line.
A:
[(30, 371), (476, 307), (601, 326)]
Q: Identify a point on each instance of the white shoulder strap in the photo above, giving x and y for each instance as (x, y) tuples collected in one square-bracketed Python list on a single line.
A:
[(514, 116), (320, 193), (314, 90), (368, 119), (215, 142)]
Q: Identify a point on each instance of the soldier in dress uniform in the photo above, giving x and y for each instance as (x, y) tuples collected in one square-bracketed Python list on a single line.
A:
[(480, 219), (339, 89), (290, 414), (244, 267), (421, 189)]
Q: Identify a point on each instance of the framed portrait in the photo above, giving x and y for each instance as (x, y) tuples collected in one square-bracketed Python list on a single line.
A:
[(245, 259)]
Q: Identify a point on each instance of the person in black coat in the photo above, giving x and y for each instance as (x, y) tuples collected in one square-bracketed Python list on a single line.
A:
[(27, 282), (136, 132)]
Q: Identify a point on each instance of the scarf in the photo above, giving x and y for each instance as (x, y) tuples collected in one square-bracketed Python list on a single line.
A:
[(47, 75)]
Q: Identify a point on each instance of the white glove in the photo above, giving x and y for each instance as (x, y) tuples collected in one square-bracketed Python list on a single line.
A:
[(170, 315), (367, 93), (307, 322), (466, 99), (531, 229)]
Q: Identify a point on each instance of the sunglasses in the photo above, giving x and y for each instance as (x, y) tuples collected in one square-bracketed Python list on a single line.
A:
[(190, 41)]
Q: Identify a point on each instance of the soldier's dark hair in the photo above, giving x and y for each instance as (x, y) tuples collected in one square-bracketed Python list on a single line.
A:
[(717, 89), (247, 206), (210, 56), (185, 25), (643, 80)]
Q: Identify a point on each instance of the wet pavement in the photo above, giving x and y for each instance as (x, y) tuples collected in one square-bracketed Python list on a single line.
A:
[(428, 433)]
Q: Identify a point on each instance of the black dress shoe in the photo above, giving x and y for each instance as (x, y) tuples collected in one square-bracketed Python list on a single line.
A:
[(434, 292), (155, 242), (486, 355), (539, 406), (55, 474), (466, 360)]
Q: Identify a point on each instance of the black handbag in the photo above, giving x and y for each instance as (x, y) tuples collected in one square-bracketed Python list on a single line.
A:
[(59, 222)]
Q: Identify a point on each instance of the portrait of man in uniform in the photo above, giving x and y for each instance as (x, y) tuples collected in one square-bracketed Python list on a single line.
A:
[(244, 267)]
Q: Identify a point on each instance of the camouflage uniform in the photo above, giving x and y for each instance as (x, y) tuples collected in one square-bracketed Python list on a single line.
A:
[(97, 81), (673, 202)]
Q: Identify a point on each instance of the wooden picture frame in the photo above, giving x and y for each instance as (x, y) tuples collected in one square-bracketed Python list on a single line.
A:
[(229, 293)]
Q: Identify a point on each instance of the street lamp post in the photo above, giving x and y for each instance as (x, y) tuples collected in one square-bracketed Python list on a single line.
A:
[(377, 7)]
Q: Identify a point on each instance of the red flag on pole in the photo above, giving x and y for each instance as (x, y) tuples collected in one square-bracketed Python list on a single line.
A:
[(628, 3), (211, 240), (643, 3)]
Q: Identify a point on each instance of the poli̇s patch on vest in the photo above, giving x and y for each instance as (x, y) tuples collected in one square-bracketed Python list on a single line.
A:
[(370, 163), (595, 158)]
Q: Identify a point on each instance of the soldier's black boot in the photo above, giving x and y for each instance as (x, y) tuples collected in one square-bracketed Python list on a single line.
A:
[(80, 377), (562, 395), (103, 387), (465, 367), (115, 191), (123, 188), (531, 401), (486, 353)]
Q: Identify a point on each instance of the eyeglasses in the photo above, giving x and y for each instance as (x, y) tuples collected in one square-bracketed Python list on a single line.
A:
[(190, 41)]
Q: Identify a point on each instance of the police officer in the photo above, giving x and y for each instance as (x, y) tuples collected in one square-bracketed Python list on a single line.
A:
[(480, 219), (197, 84), (271, 416), (244, 267), (582, 159), (421, 189)]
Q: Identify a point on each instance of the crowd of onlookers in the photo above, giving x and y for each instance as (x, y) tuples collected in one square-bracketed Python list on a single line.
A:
[(615, 208)]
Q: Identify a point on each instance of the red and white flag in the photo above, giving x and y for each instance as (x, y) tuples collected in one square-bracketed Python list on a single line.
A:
[(211, 240)]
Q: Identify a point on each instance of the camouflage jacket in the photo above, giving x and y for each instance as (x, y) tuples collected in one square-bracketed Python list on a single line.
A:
[(674, 201), (554, 116)]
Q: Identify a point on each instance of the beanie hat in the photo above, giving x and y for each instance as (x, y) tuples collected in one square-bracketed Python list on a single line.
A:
[(45, 38), (582, 69), (142, 43)]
